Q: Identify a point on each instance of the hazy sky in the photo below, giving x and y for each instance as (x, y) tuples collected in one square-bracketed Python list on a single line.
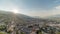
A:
[(40, 8)]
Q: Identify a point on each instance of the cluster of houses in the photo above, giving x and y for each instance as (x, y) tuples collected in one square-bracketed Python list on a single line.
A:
[(42, 27)]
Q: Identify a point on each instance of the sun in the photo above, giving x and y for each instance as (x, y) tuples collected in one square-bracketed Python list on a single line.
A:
[(15, 11)]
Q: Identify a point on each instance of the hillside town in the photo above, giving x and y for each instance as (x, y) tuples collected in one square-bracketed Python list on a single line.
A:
[(22, 24)]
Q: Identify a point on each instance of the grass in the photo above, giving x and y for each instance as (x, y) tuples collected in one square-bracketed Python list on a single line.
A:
[(58, 32), (3, 33)]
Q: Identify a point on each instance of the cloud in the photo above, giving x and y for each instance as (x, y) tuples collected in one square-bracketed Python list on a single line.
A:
[(56, 10)]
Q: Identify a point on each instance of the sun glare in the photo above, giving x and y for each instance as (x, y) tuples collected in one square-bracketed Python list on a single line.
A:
[(15, 11)]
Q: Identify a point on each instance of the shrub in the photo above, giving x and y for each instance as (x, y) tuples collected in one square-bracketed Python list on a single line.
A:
[(2, 27)]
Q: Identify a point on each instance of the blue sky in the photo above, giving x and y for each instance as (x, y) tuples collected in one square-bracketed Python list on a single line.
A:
[(40, 8)]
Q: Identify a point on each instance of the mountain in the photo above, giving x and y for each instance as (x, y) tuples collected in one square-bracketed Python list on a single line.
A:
[(20, 21), (54, 17), (6, 17)]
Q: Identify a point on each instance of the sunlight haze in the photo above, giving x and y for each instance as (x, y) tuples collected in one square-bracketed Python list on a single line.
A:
[(41, 8)]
